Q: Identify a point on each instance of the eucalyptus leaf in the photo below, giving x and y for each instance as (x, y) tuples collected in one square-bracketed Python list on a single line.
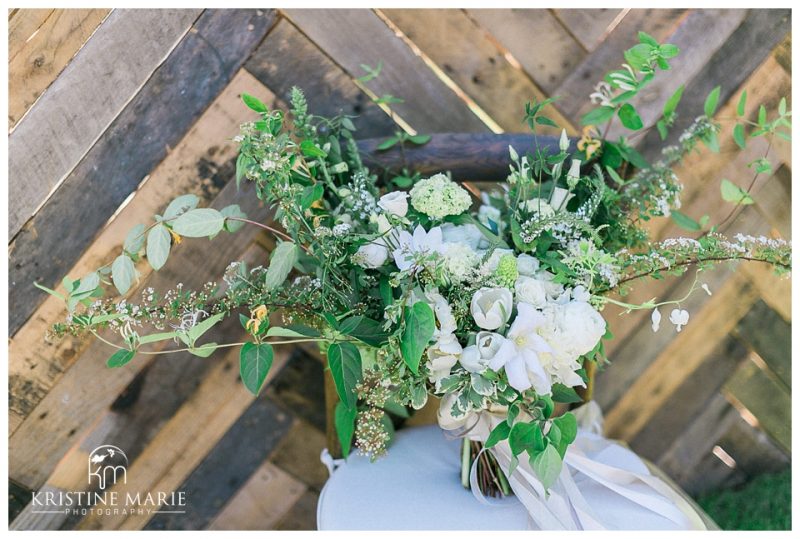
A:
[(281, 262), (255, 360), (123, 272), (158, 245), (199, 223)]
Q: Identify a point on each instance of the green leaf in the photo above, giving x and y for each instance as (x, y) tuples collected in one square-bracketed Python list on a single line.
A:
[(419, 139), (243, 161), (668, 50), (526, 437), (344, 361), (311, 194), (544, 120), (120, 358), (254, 103), (568, 429), (233, 211), (281, 262), (733, 193), (365, 329), (782, 106), (498, 434), (597, 116), (710, 106), (50, 291), (156, 337), (123, 272), (418, 330), (629, 117), (134, 240), (284, 332), (633, 157), (644, 37), (547, 466), (158, 244), (672, 103), (197, 331), (684, 221), (738, 136), (199, 223), (181, 205), (203, 350), (345, 420), (255, 361), (742, 103), (88, 284), (762, 115), (638, 56), (309, 148), (388, 143), (562, 393)]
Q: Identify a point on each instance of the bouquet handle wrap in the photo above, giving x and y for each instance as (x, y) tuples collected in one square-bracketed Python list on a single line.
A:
[(564, 507)]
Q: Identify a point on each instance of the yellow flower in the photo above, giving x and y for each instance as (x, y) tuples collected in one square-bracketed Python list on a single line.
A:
[(176, 238), (256, 316), (588, 143)]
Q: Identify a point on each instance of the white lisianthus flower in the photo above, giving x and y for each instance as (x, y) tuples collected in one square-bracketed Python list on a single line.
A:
[(491, 307), (421, 243), (518, 354), (395, 203), (476, 358), (467, 234), (371, 255), (679, 317), (443, 356), (460, 260), (527, 265), (383, 223), (439, 196), (530, 290), (578, 328)]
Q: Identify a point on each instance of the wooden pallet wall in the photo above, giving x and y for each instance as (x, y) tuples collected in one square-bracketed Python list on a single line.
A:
[(114, 113)]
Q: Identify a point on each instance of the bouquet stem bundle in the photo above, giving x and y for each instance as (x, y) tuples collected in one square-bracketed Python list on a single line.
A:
[(492, 482)]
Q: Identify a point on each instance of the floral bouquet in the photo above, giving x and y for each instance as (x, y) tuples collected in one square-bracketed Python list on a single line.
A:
[(489, 300)]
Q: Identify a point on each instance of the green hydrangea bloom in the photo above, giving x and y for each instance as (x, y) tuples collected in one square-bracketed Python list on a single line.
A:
[(439, 196)]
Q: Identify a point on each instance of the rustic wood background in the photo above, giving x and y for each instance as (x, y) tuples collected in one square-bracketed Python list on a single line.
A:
[(113, 113)]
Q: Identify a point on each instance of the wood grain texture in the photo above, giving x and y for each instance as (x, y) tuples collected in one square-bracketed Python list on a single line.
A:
[(352, 37), (287, 58), (536, 39), (201, 163), (22, 24), (45, 54), (452, 40), (138, 139), (261, 503), (84, 100), (769, 336), (589, 26)]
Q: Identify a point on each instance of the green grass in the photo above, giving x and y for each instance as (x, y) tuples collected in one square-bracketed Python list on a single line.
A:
[(764, 503)]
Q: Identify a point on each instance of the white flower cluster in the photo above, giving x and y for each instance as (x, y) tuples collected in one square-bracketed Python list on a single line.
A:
[(439, 196)]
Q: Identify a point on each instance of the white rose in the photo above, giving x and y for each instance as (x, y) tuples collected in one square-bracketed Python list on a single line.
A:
[(371, 255), (491, 307), (579, 327), (494, 260), (531, 291), (527, 265), (466, 234), (553, 288), (443, 312), (395, 203), (476, 358), (443, 356)]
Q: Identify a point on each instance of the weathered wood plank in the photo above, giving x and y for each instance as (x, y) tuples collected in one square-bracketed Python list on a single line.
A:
[(45, 54), (84, 100), (752, 450), (287, 58), (262, 502), (766, 398), (679, 359), (574, 91), (88, 387), (698, 35), (731, 65), (770, 336), (453, 41), (221, 432), (555, 54), (302, 515), (357, 36), (22, 24), (298, 454), (589, 26), (201, 163), (688, 400), (138, 139), (299, 387)]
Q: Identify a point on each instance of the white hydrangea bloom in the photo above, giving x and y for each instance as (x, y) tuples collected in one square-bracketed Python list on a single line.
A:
[(439, 196), (460, 260)]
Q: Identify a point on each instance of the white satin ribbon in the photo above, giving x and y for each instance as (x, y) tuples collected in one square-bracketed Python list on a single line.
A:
[(564, 507)]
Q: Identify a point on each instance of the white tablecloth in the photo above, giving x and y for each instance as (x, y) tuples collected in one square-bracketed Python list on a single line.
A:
[(417, 487)]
